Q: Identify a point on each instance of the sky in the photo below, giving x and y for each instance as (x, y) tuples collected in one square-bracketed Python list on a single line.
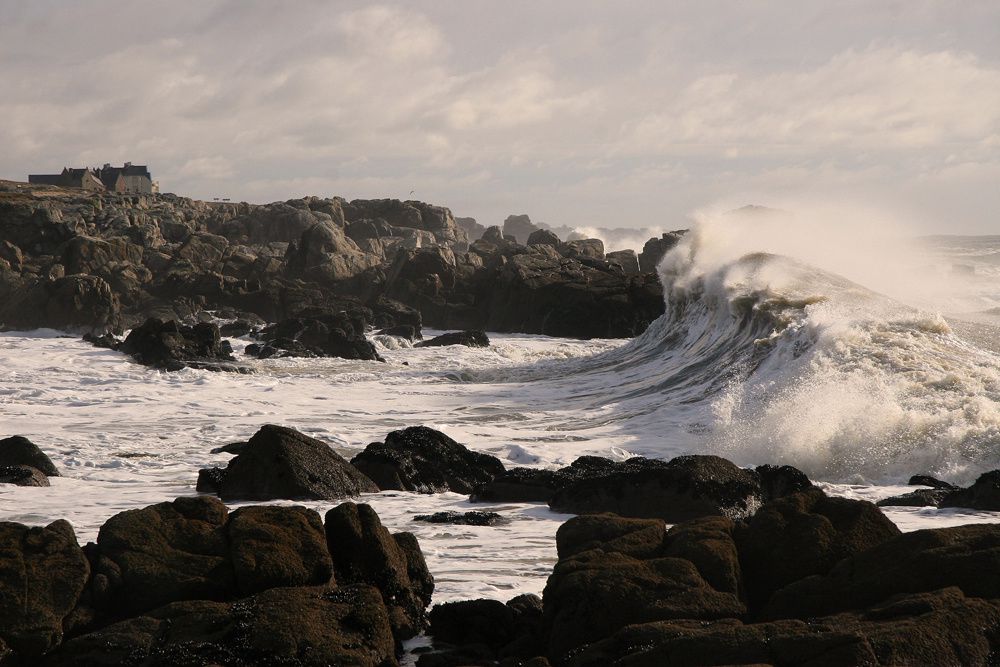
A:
[(631, 113)]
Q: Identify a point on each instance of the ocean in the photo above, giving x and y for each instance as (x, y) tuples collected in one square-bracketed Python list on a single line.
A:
[(765, 355)]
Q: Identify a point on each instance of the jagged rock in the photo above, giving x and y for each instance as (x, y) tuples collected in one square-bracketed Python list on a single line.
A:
[(327, 335), (426, 461), (587, 248), (363, 551), (983, 495), (301, 626), (19, 451), (918, 498), (519, 227), (277, 546), (464, 518), (163, 553), (806, 534), (22, 476), (927, 480), (467, 338), (171, 346), (780, 481), (683, 488), (43, 572), (473, 229), (79, 303), (656, 248), (280, 462)]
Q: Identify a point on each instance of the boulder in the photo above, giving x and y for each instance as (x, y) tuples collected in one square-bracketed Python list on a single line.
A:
[(780, 481), (43, 573), (526, 485), (302, 626), (655, 248), (363, 551), (917, 562), (280, 462), (519, 227), (467, 338), (684, 488), (163, 553), (918, 498), (805, 534), (426, 461), (171, 346), (626, 259), (22, 476), (277, 546), (325, 335), (984, 494), (464, 518), (543, 237), (19, 451)]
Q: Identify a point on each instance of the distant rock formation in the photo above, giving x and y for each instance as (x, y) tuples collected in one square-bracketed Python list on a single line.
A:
[(519, 227)]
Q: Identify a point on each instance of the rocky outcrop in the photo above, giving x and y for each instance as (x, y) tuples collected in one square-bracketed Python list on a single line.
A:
[(519, 227), (325, 335), (280, 462), (19, 451), (171, 346), (466, 338), (655, 248), (426, 461), (185, 582), (983, 495)]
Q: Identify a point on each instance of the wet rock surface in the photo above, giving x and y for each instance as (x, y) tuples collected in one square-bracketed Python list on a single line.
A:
[(19, 451)]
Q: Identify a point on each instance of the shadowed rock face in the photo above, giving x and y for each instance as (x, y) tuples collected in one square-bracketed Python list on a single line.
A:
[(18, 450), (280, 462)]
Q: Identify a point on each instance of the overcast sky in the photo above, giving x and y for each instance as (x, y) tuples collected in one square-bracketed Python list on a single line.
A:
[(624, 113)]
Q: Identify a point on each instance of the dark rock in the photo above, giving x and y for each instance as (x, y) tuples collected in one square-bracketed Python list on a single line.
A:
[(984, 494), (780, 481), (464, 518), (626, 259), (918, 498), (328, 335), (107, 341), (656, 248), (519, 227), (473, 229), (163, 553), (526, 485), (171, 346), (363, 551), (238, 328), (404, 331), (487, 622), (19, 451), (805, 534), (917, 562), (43, 573), (543, 237), (22, 476), (941, 628), (588, 248), (302, 626), (639, 538), (927, 480), (683, 488), (210, 480), (467, 338), (231, 448), (277, 546), (81, 303), (426, 461), (708, 543), (421, 580), (280, 462)]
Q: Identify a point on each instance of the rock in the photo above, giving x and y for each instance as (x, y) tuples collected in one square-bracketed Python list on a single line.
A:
[(638, 538), (656, 248), (543, 237), (22, 476), (363, 551), (43, 573), (278, 546), (280, 462), (709, 544), (327, 335), (917, 562), (19, 451), (487, 622), (171, 346), (426, 461), (941, 628), (81, 303), (805, 534), (589, 248), (464, 518), (473, 229), (592, 594), (780, 481), (467, 338), (210, 480), (918, 498), (927, 480), (404, 331), (626, 259), (519, 227), (107, 341), (163, 553), (526, 485), (683, 488), (983, 495), (303, 626)]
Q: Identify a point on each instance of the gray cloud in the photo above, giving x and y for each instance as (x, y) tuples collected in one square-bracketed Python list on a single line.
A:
[(578, 112)]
